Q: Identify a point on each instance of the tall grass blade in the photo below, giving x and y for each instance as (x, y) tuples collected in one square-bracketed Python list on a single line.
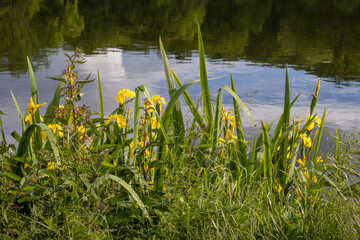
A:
[(33, 87), (318, 137), (101, 102), (282, 164), (205, 93), (19, 112), (217, 120), (2, 128), (25, 141), (241, 103), (173, 100), (267, 156), (136, 120), (239, 130), (179, 128), (337, 142), (189, 102), (132, 193), (53, 104)]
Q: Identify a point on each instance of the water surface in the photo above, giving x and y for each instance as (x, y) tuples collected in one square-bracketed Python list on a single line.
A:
[(252, 39)]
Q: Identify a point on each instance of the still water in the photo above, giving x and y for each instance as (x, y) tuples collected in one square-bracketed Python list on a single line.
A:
[(252, 39)]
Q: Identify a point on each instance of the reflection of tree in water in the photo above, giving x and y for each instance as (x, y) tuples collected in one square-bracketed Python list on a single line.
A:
[(319, 35), (28, 25)]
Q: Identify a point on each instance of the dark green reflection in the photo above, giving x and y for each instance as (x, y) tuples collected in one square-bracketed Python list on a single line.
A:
[(320, 36)]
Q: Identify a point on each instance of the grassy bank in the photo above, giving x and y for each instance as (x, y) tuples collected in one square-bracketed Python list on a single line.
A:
[(141, 172)]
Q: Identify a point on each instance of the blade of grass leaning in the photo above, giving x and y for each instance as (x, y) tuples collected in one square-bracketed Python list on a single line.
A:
[(217, 120), (337, 155), (53, 104), (282, 164), (240, 102), (132, 193), (239, 130), (205, 93), (189, 102), (136, 120), (33, 87), (171, 103), (18, 111), (2, 128), (252, 158), (25, 141), (101, 102), (318, 137), (179, 128), (267, 156)]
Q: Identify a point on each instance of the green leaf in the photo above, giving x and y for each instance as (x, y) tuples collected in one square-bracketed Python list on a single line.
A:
[(239, 130), (50, 110), (132, 193), (267, 155), (12, 176), (179, 128), (101, 102), (62, 80), (241, 103), (205, 93), (19, 112), (318, 137), (189, 102)]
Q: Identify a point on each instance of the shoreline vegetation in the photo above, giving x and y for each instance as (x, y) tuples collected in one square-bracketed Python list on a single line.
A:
[(142, 173)]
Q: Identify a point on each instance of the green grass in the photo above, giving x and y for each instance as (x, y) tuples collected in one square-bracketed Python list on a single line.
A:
[(75, 174)]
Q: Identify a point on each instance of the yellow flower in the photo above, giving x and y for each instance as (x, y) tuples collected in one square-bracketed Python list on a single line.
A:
[(306, 139), (278, 187), (315, 179), (298, 126), (120, 97), (318, 160), (28, 118), (52, 165), (221, 140), (232, 121), (32, 107), (156, 100), (308, 178), (56, 129), (70, 75), (312, 124), (225, 113), (154, 123), (301, 162), (43, 135), (119, 119), (317, 87), (139, 144), (289, 153), (81, 130)]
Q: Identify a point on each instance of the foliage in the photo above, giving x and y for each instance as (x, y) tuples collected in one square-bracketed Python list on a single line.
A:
[(141, 173)]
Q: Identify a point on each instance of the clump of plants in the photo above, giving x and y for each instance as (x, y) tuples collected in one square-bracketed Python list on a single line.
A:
[(140, 172)]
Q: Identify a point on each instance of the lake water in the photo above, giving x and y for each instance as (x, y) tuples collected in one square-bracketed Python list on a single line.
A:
[(252, 39)]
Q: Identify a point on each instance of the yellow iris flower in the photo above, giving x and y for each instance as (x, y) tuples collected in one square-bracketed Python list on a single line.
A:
[(312, 124), (32, 107), (156, 100), (120, 97), (56, 129), (119, 119), (306, 139)]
